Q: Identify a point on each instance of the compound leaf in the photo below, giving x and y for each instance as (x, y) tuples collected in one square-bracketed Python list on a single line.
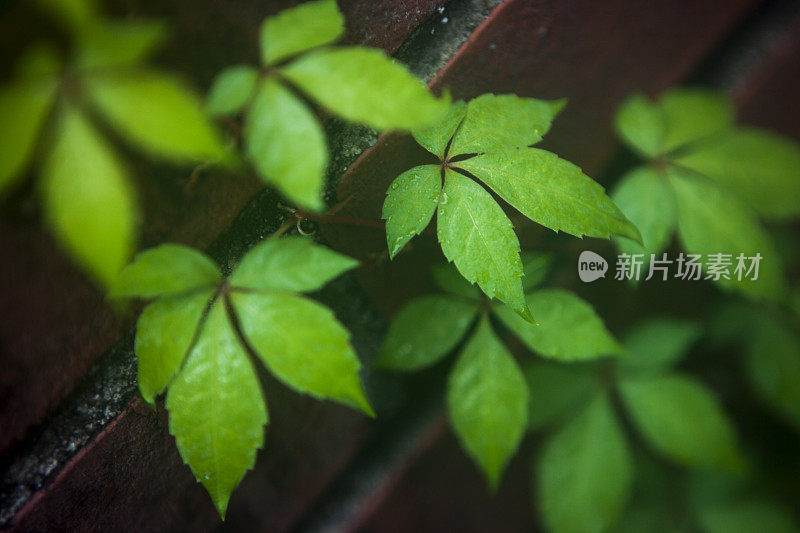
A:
[(217, 411), (165, 270), (364, 85), (88, 199), (551, 191), (424, 331), (557, 390), (164, 334), (488, 400), (409, 205), (692, 114), (300, 28), (286, 144), (477, 236), (435, 138), (640, 123), (658, 343), (107, 43), (503, 121), (683, 420), (585, 472), (303, 344), (232, 89), (568, 328), (293, 264)]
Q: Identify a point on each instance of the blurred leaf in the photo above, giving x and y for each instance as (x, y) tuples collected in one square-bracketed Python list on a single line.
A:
[(217, 412), (364, 85), (436, 138), (568, 329), (165, 270), (557, 390), (746, 516), (75, 14), (584, 474), (503, 121), (762, 168), (450, 280), (300, 28), (87, 197), (232, 89), (24, 106), (551, 191), (424, 331), (113, 44), (640, 123), (657, 344), (535, 267), (692, 114), (287, 145), (164, 334), (488, 400), (683, 420), (294, 264), (409, 205), (711, 221), (303, 344), (38, 61), (477, 236), (158, 113)]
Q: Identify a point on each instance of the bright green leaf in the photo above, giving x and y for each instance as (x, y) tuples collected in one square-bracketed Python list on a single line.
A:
[(658, 343), (557, 390), (232, 89), (435, 138), (692, 114), (568, 329), (551, 191), (535, 267), (112, 43), (216, 409), (488, 401), (477, 236), (503, 121), (294, 264), (683, 420), (640, 123), (712, 221), (24, 107), (286, 144), (584, 475), (762, 168), (424, 331), (449, 279), (302, 343), (164, 334), (158, 113), (409, 205), (363, 85), (88, 199), (165, 270), (300, 28)]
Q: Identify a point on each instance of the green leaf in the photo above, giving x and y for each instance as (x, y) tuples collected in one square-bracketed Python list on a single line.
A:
[(488, 400), (585, 472), (640, 123), (301, 342), (762, 168), (557, 390), (645, 198), (24, 107), (39, 60), (409, 205), (287, 145), (746, 515), (108, 43), (712, 221), (217, 411), (165, 270), (76, 14), (158, 113), (232, 89), (692, 114), (772, 364), (535, 267), (551, 191), (164, 333), (683, 420), (363, 85), (88, 199), (435, 138), (424, 331), (503, 121), (294, 264), (659, 343), (300, 28), (449, 279), (568, 329), (477, 236)]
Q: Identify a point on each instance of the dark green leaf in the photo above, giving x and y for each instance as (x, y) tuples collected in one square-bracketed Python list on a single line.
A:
[(409, 205), (76, 14), (435, 138), (557, 390), (300, 28), (424, 331), (106, 43), (640, 123), (746, 516), (692, 114), (656, 344), (535, 267), (449, 279), (232, 89)]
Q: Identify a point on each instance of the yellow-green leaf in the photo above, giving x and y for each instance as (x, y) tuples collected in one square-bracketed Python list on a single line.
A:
[(409, 205), (300, 28)]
